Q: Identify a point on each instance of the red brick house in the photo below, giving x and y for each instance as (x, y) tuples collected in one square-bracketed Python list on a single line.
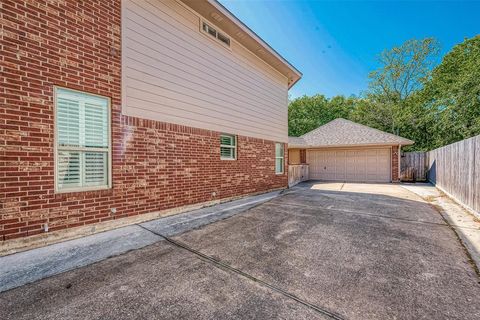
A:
[(116, 111)]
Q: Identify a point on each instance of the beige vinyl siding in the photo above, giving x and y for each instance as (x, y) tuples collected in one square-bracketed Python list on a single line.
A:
[(174, 73)]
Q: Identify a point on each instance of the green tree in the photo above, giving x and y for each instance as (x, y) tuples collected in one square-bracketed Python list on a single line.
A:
[(415, 122), (403, 71), (453, 94), (373, 113), (307, 113)]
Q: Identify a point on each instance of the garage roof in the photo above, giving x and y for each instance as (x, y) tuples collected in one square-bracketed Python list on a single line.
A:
[(343, 133)]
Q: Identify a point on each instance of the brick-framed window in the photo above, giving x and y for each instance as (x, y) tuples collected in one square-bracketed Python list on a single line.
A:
[(228, 147), (82, 141), (279, 158)]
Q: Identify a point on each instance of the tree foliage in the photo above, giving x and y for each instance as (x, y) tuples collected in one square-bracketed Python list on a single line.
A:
[(403, 71), (408, 96), (307, 113), (453, 94)]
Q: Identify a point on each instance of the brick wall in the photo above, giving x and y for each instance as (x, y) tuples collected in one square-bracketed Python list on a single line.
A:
[(156, 166), (395, 164)]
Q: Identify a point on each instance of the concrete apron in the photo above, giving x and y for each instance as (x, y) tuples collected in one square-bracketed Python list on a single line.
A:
[(32, 265)]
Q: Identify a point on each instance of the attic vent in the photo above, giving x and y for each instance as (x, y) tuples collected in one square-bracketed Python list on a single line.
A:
[(211, 31)]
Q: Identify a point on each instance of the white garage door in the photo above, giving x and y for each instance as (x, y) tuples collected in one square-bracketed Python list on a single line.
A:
[(358, 165)]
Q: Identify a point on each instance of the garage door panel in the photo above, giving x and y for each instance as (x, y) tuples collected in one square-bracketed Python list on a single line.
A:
[(350, 169), (359, 165), (384, 152), (350, 164), (340, 166), (315, 162), (328, 168)]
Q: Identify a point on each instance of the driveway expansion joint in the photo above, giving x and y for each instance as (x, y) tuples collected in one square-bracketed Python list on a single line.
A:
[(25, 267), (373, 215), (224, 266)]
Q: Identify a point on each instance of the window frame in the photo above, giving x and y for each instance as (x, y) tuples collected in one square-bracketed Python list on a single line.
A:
[(218, 31), (57, 149), (234, 147), (282, 157)]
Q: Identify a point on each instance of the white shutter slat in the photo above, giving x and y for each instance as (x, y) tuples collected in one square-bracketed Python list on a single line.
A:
[(82, 126), (227, 146), (96, 117), (227, 140), (279, 149), (279, 157), (96, 168), (68, 122), (69, 164), (226, 152)]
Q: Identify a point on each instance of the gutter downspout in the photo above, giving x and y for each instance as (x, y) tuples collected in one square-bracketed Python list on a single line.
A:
[(399, 162)]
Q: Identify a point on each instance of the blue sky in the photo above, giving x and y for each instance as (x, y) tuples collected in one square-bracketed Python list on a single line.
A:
[(335, 43)]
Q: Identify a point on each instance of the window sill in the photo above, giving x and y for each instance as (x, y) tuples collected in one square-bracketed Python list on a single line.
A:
[(84, 189), (99, 191), (227, 159)]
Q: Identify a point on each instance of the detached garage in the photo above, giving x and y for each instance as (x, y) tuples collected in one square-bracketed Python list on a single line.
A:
[(342, 150)]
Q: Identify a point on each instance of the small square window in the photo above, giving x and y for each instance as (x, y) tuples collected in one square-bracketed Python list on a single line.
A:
[(208, 29), (228, 147), (223, 38)]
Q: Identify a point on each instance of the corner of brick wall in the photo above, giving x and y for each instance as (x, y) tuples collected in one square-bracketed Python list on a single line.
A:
[(156, 166), (395, 164)]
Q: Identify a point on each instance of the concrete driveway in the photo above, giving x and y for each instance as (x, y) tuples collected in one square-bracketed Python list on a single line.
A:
[(319, 251)]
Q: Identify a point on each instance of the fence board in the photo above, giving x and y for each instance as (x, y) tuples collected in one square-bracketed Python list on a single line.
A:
[(413, 166), (456, 170), (297, 173)]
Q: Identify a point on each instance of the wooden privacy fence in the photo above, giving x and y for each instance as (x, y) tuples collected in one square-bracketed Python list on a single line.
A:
[(413, 166), (297, 173), (455, 169)]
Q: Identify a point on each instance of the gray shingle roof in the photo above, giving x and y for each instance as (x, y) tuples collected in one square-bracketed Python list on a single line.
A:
[(342, 132)]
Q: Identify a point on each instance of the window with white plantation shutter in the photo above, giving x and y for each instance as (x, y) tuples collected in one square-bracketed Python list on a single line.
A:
[(228, 147), (82, 123), (279, 158)]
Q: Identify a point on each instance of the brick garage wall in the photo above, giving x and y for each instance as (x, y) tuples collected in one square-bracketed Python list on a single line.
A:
[(156, 166), (395, 164)]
